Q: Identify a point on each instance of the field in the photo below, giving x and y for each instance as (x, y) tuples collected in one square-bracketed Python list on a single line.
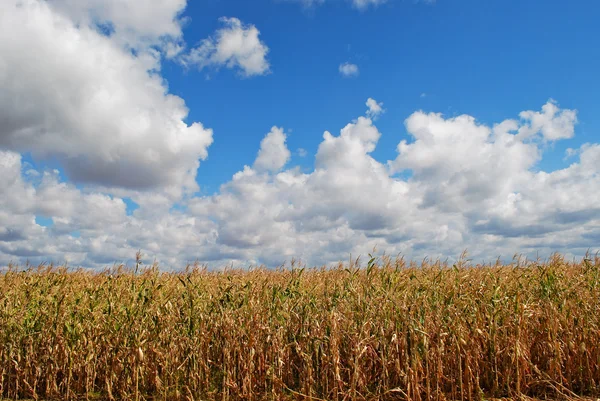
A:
[(390, 330)]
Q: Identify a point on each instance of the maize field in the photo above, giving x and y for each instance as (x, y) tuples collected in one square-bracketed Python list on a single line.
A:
[(389, 330)]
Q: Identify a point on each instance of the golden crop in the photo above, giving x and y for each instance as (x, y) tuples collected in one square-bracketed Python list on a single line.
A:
[(388, 331)]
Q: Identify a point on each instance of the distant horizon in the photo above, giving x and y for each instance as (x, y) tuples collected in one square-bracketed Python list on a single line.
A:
[(360, 262), (251, 133)]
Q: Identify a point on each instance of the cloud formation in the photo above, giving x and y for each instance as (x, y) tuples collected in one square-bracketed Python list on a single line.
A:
[(129, 22), (235, 46), (551, 123), (273, 153), (348, 70), (76, 95), (470, 186), (82, 86), (364, 4), (375, 108), (358, 4)]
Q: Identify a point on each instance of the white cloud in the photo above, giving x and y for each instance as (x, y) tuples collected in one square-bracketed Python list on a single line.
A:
[(89, 228), (131, 22), (81, 85), (359, 4), (70, 209), (459, 163), (375, 109), (348, 70), (470, 186), (363, 4), (570, 152), (235, 46), (273, 153), (551, 123), (75, 95)]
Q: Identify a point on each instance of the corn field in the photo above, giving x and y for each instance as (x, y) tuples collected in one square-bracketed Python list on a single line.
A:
[(390, 330)]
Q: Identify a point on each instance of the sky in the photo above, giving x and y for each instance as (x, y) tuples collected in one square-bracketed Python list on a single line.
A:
[(236, 132)]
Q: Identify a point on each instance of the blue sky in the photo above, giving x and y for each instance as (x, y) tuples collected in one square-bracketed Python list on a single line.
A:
[(488, 59), (460, 125)]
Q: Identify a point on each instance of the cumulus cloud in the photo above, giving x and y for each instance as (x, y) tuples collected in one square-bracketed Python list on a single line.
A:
[(130, 22), (73, 94), (471, 186), (88, 228), (71, 210), (348, 70), (551, 123), (235, 46), (464, 184), (273, 153), (375, 108)]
